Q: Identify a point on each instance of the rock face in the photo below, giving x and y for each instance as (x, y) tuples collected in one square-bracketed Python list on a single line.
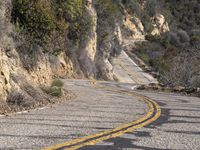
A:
[(93, 58), (14, 76), (160, 25), (107, 49), (88, 43), (99, 44), (6, 44), (133, 28)]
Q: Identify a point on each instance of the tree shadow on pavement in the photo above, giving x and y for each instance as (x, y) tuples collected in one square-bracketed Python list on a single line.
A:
[(120, 143)]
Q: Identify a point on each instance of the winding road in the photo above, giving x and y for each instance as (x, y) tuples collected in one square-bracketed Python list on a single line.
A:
[(108, 116)]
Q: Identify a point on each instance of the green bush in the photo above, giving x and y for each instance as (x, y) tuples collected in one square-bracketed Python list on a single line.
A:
[(195, 38), (152, 7), (108, 6), (47, 20), (57, 83), (195, 81), (171, 38), (56, 88), (153, 38), (35, 18), (183, 36), (72, 12), (55, 91)]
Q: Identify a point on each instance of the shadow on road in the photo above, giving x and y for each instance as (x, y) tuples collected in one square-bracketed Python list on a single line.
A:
[(167, 117)]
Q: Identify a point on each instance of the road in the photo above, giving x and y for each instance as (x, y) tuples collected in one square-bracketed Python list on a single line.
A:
[(128, 71), (108, 116)]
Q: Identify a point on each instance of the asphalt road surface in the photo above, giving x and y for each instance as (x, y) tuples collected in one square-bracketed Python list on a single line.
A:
[(102, 108), (108, 116)]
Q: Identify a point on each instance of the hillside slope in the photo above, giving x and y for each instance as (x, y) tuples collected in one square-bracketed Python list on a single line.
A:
[(171, 30)]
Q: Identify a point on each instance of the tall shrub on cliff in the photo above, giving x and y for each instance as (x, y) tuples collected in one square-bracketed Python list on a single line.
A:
[(48, 23)]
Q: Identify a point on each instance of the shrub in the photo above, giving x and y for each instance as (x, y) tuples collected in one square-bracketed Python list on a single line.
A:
[(173, 39), (57, 83), (6, 28), (55, 91), (109, 6), (153, 38), (152, 7), (35, 17), (133, 7), (195, 38), (179, 39), (72, 12), (15, 98), (56, 88), (105, 7), (195, 81), (19, 99), (183, 36), (49, 22)]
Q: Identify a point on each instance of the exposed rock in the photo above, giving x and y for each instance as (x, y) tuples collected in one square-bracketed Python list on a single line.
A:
[(108, 48), (151, 86), (133, 28), (109, 41), (178, 89), (160, 25), (88, 43)]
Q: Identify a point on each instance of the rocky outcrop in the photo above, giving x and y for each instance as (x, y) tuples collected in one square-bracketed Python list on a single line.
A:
[(160, 25), (100, 43), (109, 40), (88, 42), (133, 28), (109, 45)]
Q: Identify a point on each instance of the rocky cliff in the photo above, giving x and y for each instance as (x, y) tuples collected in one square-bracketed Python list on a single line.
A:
[(31, 58)]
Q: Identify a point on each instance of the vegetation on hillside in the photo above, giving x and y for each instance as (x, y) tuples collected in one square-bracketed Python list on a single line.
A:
[(45, 22), (174, 54)]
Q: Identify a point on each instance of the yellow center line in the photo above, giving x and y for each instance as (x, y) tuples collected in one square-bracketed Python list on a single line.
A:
[(115, 132)]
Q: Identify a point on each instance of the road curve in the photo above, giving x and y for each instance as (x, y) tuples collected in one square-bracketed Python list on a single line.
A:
[(93, 111), (103, 109), (178, 127), (153, 114)]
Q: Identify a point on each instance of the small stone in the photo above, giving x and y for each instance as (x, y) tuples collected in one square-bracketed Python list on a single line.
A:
[(178, 89)]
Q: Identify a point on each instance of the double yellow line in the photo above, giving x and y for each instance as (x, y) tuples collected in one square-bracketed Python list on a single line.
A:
[(153, 114)]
